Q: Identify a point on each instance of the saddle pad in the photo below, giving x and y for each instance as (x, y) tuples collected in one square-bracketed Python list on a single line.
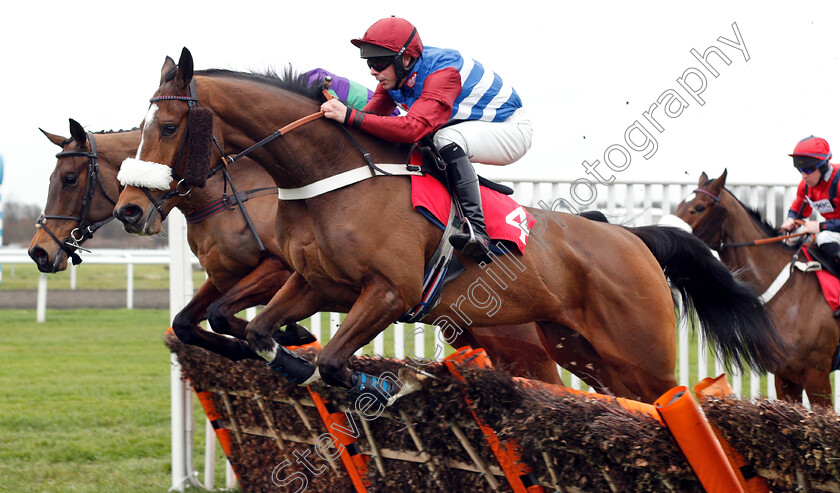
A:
[(830, 285), (505, 218)]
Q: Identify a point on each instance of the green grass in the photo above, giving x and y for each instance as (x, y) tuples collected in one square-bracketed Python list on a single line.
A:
[(84, 401), (92, 276)]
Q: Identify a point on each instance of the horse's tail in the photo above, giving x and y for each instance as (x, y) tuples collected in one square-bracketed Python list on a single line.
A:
[(731, 316)]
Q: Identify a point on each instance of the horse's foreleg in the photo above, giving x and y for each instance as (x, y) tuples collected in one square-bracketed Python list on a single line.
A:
[(377, 306), (257, 288), (188, 331), (296, 300)]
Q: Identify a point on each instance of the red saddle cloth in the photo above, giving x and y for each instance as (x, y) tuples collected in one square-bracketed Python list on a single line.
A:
[(830, 285), (505, 218)]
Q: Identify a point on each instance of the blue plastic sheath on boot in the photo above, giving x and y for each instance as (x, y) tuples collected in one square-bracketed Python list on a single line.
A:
[(381, 389)]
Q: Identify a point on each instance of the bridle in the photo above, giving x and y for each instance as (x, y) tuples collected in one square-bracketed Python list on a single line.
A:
[(84, 231), (719, 245), (192, 102)]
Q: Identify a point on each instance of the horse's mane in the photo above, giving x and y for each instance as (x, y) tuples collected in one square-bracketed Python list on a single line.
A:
[(120, 131), (290, 79), (756, 217)]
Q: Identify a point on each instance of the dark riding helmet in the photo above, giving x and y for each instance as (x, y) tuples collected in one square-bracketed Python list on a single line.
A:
[(812, 152), (390, 38)]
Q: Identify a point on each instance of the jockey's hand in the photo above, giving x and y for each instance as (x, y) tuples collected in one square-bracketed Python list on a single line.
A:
[(334, 110), (811, 227), (788, 225)]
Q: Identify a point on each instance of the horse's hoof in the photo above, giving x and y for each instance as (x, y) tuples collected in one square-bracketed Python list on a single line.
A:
[(411, 380), (294, 368)]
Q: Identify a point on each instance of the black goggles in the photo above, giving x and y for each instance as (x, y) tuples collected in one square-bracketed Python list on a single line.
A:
[(808, 171), (380, 63)]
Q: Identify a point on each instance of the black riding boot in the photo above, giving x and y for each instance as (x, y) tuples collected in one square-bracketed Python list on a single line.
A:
[(465, 181)]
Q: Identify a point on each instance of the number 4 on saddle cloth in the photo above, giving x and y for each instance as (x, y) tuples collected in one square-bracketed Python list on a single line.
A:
[(507, 224)]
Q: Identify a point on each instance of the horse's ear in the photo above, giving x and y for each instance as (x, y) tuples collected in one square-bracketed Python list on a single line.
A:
[(718, 184), (168, 65), (184, 73), (78, 133), (703, 179), (55, 139)]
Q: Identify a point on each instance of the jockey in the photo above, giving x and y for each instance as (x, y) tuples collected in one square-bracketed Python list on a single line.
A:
[(817, 191), (468, 111)]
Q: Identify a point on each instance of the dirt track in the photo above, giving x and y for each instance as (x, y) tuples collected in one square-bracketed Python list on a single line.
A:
[(85, 298)]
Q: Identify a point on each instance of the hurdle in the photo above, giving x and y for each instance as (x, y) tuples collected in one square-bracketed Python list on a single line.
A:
[(474, 428)]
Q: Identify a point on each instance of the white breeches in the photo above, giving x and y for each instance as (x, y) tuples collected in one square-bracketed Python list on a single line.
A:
[(827, 237), (497, 143)]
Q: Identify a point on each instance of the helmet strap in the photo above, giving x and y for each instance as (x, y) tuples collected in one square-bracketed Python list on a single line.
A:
[(400, 70)]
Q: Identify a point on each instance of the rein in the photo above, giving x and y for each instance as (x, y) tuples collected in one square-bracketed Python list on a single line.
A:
[(84, 230), (763, 241), (229, 160)]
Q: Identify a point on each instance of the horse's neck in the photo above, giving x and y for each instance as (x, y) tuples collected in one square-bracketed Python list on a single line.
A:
[(760, 264), (112, 149), (245, 175), (306, 154)]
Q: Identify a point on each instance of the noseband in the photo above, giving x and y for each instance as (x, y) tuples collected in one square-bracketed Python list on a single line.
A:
[(84, 231)]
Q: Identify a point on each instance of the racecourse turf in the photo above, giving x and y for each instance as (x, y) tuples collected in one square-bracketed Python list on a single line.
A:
[(84, 402)]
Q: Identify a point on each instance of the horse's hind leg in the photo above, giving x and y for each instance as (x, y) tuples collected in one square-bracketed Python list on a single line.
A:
[(188, 331), (788, 390), (516, 349), (257, 288), (612, 367), (818, 386)]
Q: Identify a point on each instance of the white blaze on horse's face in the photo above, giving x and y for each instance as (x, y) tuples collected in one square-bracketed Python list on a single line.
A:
[(145, 174), (150, 116)]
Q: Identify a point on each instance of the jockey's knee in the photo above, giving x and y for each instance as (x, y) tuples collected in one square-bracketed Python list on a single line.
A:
[(449, 135), (827, 237)]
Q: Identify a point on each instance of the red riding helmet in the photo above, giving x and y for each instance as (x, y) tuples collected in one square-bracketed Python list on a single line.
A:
[(391, 37), (811, 152), (395, 35)]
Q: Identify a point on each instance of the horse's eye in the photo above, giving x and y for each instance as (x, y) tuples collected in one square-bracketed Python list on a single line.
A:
[(168, 129), (699, 208), (69, 180)]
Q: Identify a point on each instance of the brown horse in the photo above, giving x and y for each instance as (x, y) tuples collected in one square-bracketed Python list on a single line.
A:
[(720, 219), (82, 193), (83, 190), (363, 246)]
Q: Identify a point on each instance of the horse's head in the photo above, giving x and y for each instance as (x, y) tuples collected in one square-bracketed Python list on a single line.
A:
[(174, 153), (81, 196), (702, 209)]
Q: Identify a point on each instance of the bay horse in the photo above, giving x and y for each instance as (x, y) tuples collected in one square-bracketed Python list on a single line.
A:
[(82, 194), (717, 217), (364, 247)]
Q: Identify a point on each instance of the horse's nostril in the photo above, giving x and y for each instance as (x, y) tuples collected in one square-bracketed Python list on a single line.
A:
[(129, 214), (38, 254)]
